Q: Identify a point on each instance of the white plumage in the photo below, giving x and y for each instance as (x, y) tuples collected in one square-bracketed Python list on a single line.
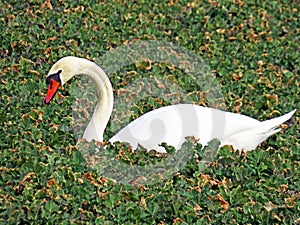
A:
[(170, 124)]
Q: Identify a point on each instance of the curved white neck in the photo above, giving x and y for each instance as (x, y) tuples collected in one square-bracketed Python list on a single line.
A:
[(104, 107)]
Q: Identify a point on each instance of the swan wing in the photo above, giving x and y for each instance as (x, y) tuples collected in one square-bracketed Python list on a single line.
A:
[(172, 124)]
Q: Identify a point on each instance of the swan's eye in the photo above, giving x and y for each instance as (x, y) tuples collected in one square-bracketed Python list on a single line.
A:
[(55, 77)]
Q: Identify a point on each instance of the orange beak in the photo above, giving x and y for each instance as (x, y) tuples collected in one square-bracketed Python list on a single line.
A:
[(53, 86)]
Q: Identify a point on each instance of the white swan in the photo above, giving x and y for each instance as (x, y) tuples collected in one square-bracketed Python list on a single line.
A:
[(170, 124)]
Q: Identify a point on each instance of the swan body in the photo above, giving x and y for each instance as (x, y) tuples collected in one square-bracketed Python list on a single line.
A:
[(169, 124)]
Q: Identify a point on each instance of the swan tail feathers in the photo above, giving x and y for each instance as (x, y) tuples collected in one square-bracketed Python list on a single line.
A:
[(270, 127), (250, 139), (274, 123)]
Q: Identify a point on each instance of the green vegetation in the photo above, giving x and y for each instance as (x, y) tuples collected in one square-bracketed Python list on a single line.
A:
[(253, 49)]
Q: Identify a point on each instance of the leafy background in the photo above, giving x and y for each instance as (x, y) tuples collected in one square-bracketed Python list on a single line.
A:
[(251, 46)]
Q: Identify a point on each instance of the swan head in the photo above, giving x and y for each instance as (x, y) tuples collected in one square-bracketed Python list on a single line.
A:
[(62, 71)]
